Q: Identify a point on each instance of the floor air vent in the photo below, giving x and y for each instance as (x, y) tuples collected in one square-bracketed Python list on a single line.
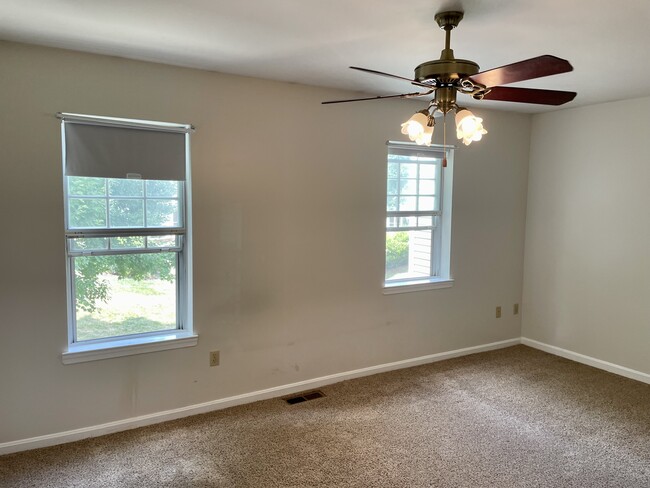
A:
[(303, 397)]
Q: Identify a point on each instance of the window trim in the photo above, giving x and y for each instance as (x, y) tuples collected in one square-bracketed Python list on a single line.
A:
[(441, 253), (417, 285), (128, 345), (119, 346)]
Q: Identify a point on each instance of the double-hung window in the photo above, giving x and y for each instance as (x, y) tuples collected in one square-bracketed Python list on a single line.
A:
[(418, 217), (127, 236)]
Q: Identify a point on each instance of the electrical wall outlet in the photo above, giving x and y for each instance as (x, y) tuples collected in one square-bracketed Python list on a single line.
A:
[(214, 358), (499, 312), (515, 309)]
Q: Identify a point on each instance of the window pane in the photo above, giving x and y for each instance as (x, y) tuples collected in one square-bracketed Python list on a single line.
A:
[(408, 221), (397, 253), (125, 188), (408, 170), (162, 213), (89, 244), (156, 188), (391, 204), (131, 242), (124, 294), (425, 221), (427, 171), (84, 186), (427, 187), (408, 254), (126, 213), (162, 241), (426, 203), (392, 187), (393, 170), (407, 203), (409, 187), (87, 213)]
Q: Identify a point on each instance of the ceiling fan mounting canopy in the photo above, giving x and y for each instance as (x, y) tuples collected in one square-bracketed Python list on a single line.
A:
[(449, 20)]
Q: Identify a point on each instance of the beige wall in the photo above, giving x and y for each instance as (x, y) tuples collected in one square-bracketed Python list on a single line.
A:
[(288, 227), (587, 265)]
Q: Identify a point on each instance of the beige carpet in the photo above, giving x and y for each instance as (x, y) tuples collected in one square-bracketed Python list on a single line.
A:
[(510, 418)]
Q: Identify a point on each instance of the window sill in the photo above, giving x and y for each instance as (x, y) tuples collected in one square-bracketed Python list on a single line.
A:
[(79, 353), (418, 285)]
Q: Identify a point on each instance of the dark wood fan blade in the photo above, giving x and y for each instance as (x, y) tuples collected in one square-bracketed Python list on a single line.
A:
[(381, 73), (529, 95), (403, 95), (523, 70)]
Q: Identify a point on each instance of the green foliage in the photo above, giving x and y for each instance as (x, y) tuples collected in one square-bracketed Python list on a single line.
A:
[(134, 307), (84, 186), (90, 287), (143, 266), (393, 170), (161, 189), (87, 213), (125, 188), (126, 212), (397, 249)]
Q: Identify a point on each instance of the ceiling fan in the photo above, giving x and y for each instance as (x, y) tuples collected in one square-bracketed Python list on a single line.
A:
[(447, 76)]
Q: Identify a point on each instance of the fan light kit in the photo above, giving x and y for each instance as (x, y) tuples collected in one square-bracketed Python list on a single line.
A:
[(447, 76)]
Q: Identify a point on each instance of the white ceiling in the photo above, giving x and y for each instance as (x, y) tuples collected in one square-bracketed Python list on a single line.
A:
[(314, 42)]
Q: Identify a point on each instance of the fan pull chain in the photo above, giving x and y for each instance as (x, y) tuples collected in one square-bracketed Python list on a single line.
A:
[(444, 139)]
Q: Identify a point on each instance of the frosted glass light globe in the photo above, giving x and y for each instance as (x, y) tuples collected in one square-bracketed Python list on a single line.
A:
[(425, 137), (469, 127), (415, 126)]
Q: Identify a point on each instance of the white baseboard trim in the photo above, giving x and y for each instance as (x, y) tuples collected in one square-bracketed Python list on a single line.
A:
[(588, 360), (278, 391)]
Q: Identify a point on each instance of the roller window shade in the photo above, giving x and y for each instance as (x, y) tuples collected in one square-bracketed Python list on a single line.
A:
[(433, 152), (113, 152)]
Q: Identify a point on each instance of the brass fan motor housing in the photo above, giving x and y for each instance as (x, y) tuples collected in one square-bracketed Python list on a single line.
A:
[(445, 70)]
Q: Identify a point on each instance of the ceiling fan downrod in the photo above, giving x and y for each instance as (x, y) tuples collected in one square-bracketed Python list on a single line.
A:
[(448, 21)]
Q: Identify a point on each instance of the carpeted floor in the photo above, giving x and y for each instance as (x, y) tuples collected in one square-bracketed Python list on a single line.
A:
[(515, 417)]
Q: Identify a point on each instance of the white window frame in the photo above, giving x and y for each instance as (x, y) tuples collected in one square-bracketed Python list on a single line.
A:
[(183, 335), (440, 275)]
